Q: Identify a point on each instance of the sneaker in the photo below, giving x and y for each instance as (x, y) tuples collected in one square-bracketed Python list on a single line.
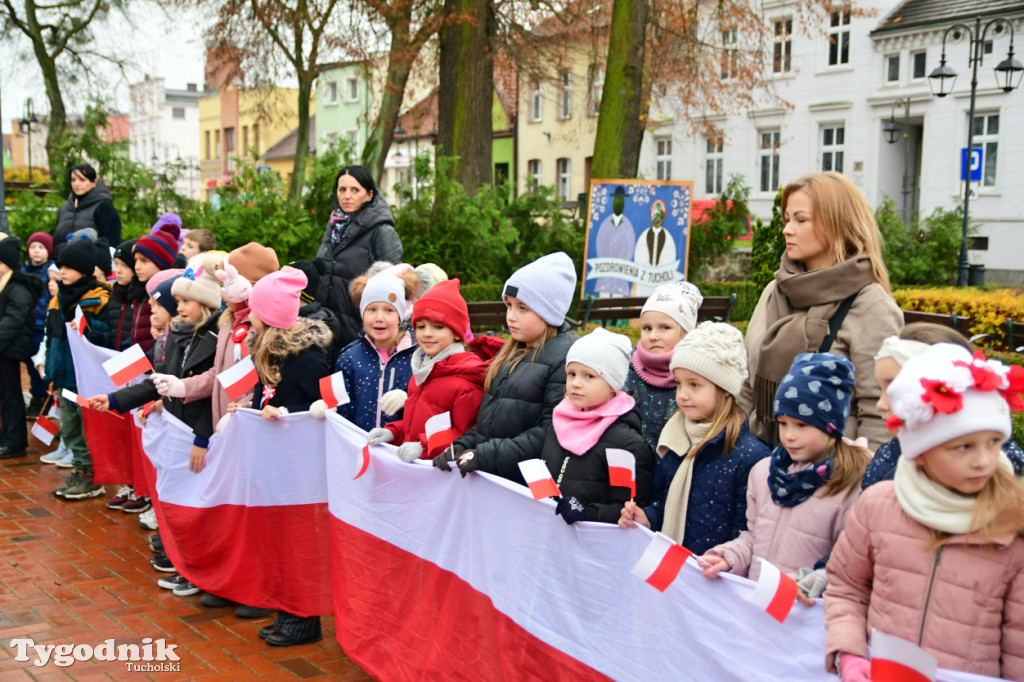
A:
[(84, 489), (161, 563), (124, 493), (147, 519), (172, 581), (186, 589), (214, 602), (68, 462), (71, 480), (53, 457), (156, 544), (136, 505)]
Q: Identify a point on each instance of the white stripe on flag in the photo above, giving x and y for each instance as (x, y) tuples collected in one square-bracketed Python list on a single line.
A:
[(333, 391), (239, 378), (438, 423)]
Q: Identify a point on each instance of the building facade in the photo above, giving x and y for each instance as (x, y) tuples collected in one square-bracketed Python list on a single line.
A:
[(163, 131)]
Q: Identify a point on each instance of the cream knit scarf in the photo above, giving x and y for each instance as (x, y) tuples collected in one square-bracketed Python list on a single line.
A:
[(680, 435), (422, 363)]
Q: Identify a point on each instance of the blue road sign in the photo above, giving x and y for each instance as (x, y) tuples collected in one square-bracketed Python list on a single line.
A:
[(977, 159)]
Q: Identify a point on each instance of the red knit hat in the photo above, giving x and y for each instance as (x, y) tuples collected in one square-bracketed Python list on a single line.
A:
[(160, 247), (443, 304), (44, 239)]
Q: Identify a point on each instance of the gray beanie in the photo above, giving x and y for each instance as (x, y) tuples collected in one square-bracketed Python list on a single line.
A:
[(605, 352), (384, 288), (678, 300), (715, 351), (546, 286)]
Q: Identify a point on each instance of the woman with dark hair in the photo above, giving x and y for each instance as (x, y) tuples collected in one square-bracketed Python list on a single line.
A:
[(89, 205), (359, 232)]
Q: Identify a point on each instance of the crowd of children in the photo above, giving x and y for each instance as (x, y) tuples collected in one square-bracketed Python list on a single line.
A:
[(920, 539)]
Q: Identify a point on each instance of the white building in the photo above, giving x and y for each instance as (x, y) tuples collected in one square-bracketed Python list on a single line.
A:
[(842, 80), (164, 131)]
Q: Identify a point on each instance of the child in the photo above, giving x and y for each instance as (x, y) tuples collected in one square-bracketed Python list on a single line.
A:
[(934, 556), (526, 379), (797, 500), (19, 293), (378, 365), (155, 252), (125, 291), (77, 287), (162, 308), (196, 242), (445, 376), (40, 246), (705, 451), (668, 315), (62, 456), (595, 415)]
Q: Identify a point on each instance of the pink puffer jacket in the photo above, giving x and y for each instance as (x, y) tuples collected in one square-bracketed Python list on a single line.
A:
[(789, 537), (963, 603)]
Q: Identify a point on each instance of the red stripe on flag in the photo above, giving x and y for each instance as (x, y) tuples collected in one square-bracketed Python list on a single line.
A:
[(891, 671), (126, 374), (785, 595), (109, 440), (439, 440), (669, 567), (240, 387), (623, 478), (365, 464), (545, 487), (327, 392)]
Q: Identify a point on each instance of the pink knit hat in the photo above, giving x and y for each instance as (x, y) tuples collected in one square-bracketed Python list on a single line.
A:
[(161, 277), (275, 298)]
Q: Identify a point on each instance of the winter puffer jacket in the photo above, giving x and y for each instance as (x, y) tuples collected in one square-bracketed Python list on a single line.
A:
[(882, 466), (317, 312), (60, 366), (789, 537), (300, 372), (93, 209), (40, 271), (17, 316), (456, 385), (516, 412), (128, 314), (963, 603), (656, 405), (371, 237), (368, 377), (586, 476)]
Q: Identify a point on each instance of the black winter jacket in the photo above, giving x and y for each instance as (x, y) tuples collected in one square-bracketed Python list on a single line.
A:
[(93, 209), (17, 316), (189, 352), (516, 411), (300, 373), (317, 311), (371, 237), (586, 476)]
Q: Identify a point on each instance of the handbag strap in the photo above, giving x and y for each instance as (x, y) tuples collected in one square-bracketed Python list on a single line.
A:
[(836, 322)]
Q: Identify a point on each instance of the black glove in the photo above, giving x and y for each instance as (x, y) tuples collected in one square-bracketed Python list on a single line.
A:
[(468, 461), (570, 509), (441, 461)]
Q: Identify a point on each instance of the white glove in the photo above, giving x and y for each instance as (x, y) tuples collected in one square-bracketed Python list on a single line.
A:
[(410, 451), (168, 385), (392, 401), (378, 436), (222, 423), (318, 408), (811, 582)]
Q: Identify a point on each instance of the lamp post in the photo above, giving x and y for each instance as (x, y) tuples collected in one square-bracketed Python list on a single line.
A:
[(892, 130), (4, 227), (25, 125), (941, 80)]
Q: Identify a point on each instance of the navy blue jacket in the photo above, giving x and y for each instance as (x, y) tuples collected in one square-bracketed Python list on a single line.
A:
[(40, 271), (656, 405), (882, 466), (717, 509), (367, 378), (300, 381)]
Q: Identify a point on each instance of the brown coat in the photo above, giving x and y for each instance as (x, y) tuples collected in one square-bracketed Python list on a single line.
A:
[(964, 603)]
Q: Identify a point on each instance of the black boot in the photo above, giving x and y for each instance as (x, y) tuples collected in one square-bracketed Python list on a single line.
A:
[(291, 630)]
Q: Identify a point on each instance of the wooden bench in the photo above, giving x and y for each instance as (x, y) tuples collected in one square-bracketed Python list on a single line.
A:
[(488, 315), (1014, 335), (951, 320), (605, 310)]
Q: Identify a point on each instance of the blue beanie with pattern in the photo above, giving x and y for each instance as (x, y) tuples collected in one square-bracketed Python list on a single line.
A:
[(817, 390)]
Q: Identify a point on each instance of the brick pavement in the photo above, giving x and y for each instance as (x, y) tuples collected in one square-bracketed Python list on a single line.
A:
[(79, 573)]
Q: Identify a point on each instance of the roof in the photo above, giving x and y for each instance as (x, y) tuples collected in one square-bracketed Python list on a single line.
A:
[(285, 148), (919, 13)]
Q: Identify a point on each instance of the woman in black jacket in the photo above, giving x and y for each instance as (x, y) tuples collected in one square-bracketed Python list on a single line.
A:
[(359, 232), (90, 204)]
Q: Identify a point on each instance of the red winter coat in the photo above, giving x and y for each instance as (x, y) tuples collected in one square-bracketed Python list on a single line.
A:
[(456, 385)]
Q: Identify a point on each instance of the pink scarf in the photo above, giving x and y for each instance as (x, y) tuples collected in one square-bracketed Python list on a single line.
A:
[(579, 430), (653, 368)]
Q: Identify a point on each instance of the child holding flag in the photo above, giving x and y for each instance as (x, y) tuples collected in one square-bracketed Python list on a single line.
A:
[(39, 248), (445, 376), (594, 417), (935, 555), (706, 451)]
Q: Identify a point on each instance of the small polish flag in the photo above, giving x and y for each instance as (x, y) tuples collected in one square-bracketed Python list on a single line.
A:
[(365, 463), (439, 431), (45, 430), (622, 469), (661, 561), (127, 365), (538, 477), (73, 397), (148, 407), (775, 591), (80, 321), (333, 391), (896, 660), (239, 378)]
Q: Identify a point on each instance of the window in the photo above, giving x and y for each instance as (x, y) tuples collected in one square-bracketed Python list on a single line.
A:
[(565, 95), (596, 88), (229, 140), (783, 46), (769, 156), (536, 101), (256, 139), (832, 144), (331, 92), (178, 112), (729, 54), (330, 137), (216, 144), (352, 89), (563, 178), (352, 137), (919, 61), (986, 136), (245, 141), (839, 39), (208, 145), (892, 68), (713, 165), (663, 157), (533, 174)]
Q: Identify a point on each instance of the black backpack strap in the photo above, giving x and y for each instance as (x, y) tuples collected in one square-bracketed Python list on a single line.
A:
[(836, 322)]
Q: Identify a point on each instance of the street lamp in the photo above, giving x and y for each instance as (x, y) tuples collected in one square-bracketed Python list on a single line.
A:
[(941, 80), (25, 126), (892, 130)]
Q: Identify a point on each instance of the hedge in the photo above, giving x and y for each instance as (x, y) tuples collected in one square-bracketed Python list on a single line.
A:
[(987, 309)]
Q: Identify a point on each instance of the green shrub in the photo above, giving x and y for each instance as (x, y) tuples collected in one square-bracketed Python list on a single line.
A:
[(712, 234), (922, 253), (767, 246), (747, 294)]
